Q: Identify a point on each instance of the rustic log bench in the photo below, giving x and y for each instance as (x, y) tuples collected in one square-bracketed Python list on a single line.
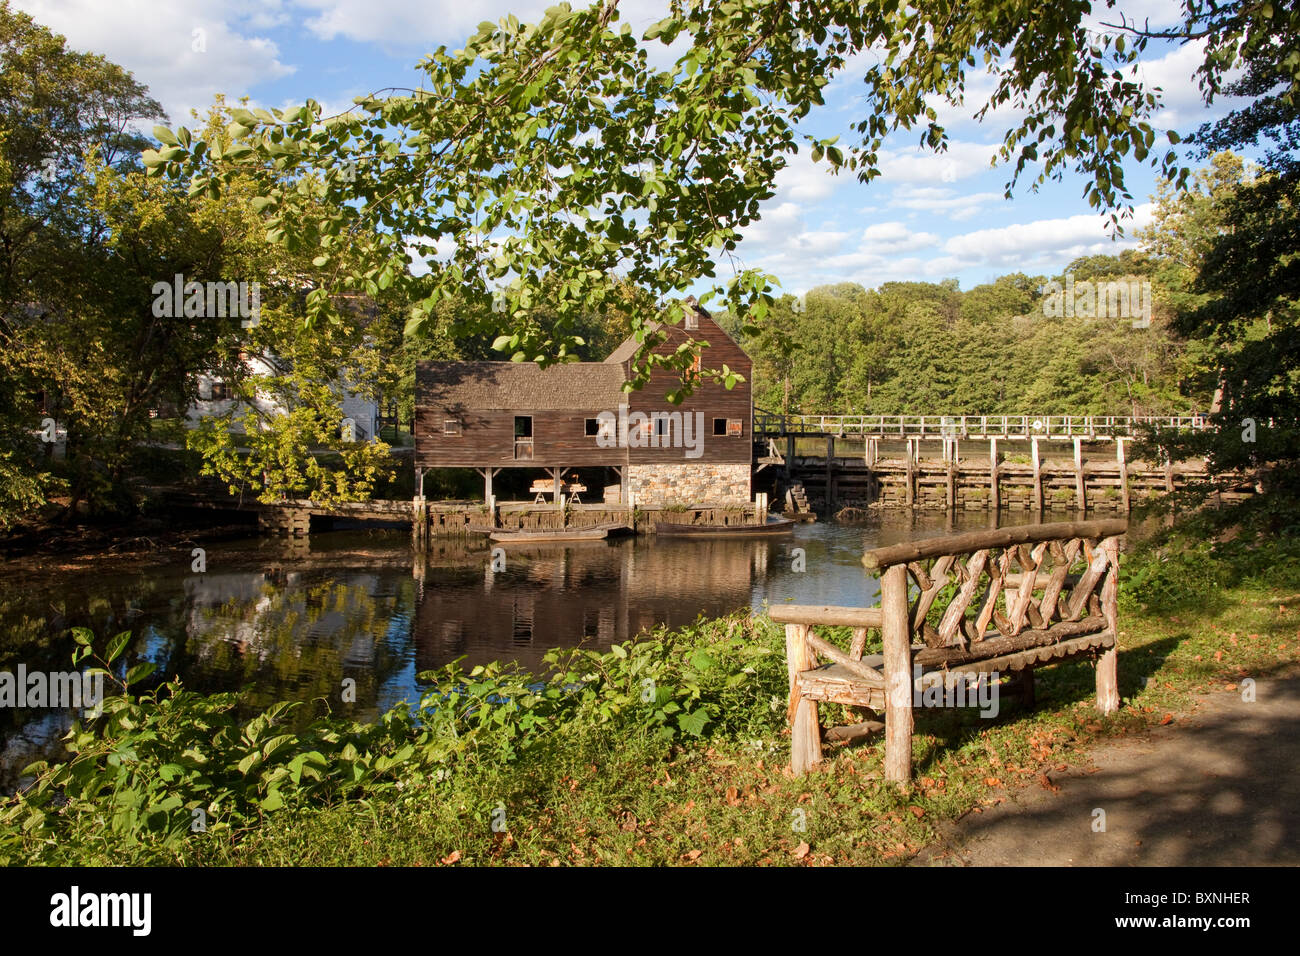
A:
[(1061, 603)]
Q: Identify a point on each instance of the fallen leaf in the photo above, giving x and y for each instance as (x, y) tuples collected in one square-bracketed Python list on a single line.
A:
[(452, 857), (693, 855), (917, 812), (1045, 782), (733, 797), (801, 851), (993, 781), (1168, 719)]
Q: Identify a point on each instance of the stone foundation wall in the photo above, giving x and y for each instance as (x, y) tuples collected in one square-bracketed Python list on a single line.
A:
[(685, 483)]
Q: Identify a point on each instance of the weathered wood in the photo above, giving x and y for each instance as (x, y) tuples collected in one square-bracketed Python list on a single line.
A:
[(1123, 475), (805, 734), (997, 578), (1038, 477), (850, 733), (1087, 583), (1080, 500), (835, 685), (1004, 643), (859, 643), (1043, 654), (856, 667), (1024, 597), (992, 538), (897, 660), (953, 615), (828, 615), (1063, 558), (938, 580), (911, 474), (1108, 664), (994, 491)]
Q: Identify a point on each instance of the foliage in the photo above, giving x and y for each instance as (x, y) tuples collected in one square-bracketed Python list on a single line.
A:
[(553, 152), (160, 759), (991, 350)]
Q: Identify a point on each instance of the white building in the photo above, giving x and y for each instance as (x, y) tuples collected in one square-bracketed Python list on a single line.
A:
[(216, 398)]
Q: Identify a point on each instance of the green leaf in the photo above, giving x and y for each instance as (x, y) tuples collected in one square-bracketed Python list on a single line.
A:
[(116, 645), (164, 135), (140, 672)]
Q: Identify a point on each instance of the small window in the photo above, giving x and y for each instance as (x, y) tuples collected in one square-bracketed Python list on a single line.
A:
[(523, 426), (719, 426), (451, 427), (692, 320), (221, 391), (734, 427), (662, 428), (593, 427)]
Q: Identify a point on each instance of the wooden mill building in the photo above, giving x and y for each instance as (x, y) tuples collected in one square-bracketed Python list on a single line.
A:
[(490, 416)]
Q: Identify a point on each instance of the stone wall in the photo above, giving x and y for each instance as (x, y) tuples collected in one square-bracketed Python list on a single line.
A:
[(685, 483)]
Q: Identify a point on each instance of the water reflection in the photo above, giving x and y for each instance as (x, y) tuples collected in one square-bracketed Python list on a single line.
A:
[(295, 621)]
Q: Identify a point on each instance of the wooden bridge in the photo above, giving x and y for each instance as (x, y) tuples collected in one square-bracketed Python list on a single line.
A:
[(1090, 428), (1080, 462)]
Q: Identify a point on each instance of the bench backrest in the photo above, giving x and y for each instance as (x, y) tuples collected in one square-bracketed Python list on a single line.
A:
[(1061, 577)]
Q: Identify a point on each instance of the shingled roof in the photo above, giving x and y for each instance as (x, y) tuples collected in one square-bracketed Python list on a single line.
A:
[(506, 385)]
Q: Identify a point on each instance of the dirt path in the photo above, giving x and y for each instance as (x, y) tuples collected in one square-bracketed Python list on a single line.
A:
[(1219, 786)]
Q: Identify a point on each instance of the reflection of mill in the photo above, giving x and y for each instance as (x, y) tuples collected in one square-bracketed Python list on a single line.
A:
[(590, 595)]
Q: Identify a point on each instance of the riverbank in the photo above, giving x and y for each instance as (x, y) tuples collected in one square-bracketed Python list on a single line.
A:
[(671, 752)]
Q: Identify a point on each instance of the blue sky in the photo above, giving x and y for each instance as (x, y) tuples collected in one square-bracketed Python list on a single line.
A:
[(929, 217)]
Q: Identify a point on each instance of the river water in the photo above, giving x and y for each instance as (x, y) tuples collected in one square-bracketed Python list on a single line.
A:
[(295, 620)]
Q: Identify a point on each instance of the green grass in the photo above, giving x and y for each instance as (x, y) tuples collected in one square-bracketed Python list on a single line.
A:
[(613, 782)]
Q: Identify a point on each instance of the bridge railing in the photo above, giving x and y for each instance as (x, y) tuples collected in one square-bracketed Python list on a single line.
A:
[(971, 426)]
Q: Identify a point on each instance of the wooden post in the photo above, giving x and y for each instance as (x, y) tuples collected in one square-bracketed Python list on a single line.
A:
[(1038, 475), (1078, 475), (1108, 664), (993, 475), (897, 637), (952, 484), (789, 455), (911, 475), (555, 486), (805, 732), (830, 474), (1169, 476), (1123, 474)]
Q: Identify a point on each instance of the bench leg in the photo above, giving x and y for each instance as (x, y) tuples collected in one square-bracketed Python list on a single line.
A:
[(805, 738), (805, 729), (896, 636), (1108, 681)]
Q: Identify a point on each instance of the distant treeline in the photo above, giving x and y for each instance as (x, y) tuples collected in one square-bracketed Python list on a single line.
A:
[(1016, 345)]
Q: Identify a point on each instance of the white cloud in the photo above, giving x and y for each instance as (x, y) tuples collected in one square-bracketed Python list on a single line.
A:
[(1043, 241), (943, 200), (889, 238), (185, 51), (962, 160)]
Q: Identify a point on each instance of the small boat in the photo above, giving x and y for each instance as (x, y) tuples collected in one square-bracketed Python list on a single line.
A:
[(548, 537), (772, 526)]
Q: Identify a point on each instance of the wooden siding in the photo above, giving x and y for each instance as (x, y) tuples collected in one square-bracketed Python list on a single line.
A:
[(559, 435), (487, 439), (712, 400)]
